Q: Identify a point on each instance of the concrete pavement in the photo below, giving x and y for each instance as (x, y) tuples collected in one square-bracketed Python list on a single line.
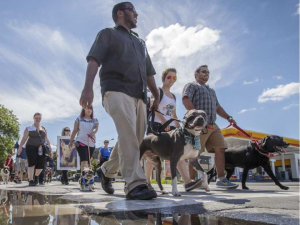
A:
[(264, 202)]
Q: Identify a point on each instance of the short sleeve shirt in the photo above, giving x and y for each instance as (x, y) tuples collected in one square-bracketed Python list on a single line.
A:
[(125, 62), (105, 152), (86, 127), (203, 98)]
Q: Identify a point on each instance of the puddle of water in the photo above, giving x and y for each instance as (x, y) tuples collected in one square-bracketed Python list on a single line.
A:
[(31, 208)]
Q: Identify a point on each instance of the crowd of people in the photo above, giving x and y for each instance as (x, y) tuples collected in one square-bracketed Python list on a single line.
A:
[(126, 74)]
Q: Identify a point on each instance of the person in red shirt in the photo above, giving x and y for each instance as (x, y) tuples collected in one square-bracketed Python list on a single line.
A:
[(9, 162)]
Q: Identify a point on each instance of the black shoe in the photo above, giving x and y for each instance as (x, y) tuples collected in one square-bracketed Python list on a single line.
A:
[(42, 183), (32, 183), (141, 192), (67, 183), (105, 182), (193, 185)]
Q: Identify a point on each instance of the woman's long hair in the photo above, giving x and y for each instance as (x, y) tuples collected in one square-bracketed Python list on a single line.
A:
[(82, 114)]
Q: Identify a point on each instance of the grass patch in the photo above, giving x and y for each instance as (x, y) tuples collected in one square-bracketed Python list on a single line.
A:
[(163, 181)]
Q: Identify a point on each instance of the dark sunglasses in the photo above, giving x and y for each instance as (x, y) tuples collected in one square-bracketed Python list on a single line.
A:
[(67, 130), (205, 71), (132, 9)]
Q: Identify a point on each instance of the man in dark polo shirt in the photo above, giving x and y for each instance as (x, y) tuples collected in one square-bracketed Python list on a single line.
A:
[(126, 72), (198, 95)]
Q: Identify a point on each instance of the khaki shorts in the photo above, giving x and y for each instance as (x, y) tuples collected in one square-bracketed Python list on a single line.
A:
[(21, 165), (212, 139)]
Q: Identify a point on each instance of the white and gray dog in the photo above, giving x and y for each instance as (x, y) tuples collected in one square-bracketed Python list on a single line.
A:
[(87, 179), (5, 174), (175, 146)]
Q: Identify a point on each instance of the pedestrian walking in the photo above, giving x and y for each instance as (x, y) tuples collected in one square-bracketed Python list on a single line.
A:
[(126, 71), (21, 164), (198, 95), (66, 131), (167, 106), (104, 153), (85, 128), (34, 136)]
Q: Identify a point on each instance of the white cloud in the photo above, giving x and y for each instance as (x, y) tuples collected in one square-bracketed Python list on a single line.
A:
[(185, 48), (277, 77), (247, 110), (44, 72), (250, 82), (290, 106), (179, 41), (279, 93), (298, 9)]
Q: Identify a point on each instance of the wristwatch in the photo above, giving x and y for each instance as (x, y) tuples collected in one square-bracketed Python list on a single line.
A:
[(228, 117)]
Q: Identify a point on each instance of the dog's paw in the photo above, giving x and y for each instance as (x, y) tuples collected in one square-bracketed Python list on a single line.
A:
[(245, 188), (176, 193), (164, 192), (284, 188), (206, 188)]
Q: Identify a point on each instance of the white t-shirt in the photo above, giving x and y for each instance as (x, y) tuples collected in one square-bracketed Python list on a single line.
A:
[(86, 127), (166, 106)]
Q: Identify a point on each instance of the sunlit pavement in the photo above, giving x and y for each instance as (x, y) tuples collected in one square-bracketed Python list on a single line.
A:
[(264, 202)]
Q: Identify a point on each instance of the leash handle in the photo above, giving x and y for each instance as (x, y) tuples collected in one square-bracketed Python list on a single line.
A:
[(240, 129), (248, 135)]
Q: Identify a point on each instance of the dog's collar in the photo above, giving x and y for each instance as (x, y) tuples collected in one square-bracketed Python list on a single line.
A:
[(191, 139), (90, 182), (261, 150)]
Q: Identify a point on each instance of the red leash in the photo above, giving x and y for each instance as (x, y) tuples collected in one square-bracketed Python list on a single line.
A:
[(269, 155), (93, 140)]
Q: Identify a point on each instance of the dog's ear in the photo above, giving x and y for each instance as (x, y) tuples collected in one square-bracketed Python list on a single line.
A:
[(264, 141), (62, 143)]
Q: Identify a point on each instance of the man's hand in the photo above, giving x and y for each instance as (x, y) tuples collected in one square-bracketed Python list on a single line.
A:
[(155, 104), (87, 97), (231, 121)]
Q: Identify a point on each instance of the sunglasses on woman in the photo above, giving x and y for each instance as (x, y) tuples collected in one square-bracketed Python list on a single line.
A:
[(170, 78), (67, 130)]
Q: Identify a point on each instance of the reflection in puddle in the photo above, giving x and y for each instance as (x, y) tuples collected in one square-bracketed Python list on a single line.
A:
[(34, 209)]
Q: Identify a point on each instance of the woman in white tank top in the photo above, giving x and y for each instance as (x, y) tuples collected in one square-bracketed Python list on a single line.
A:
[(167, 106)]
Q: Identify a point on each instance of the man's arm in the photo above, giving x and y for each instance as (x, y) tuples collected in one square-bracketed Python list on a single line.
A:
[(99, 155), (87, 95), (222, 113), (152, 87), (186, 101)]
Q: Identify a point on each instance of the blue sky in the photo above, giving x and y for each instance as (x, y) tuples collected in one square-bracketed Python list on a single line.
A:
[(251, 48)]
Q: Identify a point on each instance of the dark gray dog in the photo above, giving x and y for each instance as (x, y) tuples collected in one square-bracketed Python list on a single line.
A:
[(252, 156), (173, 146)]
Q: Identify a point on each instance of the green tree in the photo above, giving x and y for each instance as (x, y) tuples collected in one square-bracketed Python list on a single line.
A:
[(9, 132)]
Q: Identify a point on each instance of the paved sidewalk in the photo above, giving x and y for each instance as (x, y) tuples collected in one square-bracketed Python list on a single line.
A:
[(263, 202)]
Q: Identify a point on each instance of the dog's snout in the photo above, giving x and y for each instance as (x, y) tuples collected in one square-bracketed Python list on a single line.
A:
[(200, 121)]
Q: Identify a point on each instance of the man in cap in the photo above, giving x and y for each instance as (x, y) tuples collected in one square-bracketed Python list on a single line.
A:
[(125, 74)]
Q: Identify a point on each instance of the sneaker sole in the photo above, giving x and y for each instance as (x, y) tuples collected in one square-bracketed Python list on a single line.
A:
[(235, 187), (198, 184)]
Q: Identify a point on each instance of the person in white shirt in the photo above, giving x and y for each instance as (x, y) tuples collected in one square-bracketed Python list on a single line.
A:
[(85, 127), (167, 106)]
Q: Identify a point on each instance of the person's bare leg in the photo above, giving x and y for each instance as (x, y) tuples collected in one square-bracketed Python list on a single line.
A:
[(148, 170), (181, 166), (220, 161), (30, 172), (37, 172), (192, 172)]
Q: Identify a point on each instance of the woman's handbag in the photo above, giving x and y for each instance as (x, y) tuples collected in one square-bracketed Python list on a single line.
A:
[(45, 147)]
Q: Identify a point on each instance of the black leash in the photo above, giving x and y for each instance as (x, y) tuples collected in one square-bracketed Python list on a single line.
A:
[(157, 130)]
